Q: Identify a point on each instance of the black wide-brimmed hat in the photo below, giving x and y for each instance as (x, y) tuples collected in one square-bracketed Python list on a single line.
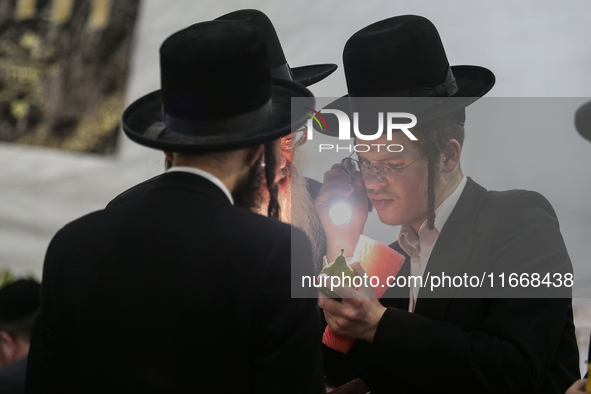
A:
[(583, 120), (306, 75), (216, 93), (403, 58)]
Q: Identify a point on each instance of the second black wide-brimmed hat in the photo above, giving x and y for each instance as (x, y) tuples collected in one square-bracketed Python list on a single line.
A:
[(403, 58), (583, 120), (216, 93), (306, 75)]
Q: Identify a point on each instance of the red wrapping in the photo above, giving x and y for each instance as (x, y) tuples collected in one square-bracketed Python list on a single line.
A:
[(378, 260)]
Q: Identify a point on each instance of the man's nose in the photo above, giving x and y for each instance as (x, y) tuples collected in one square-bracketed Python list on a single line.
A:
[(373, 181)]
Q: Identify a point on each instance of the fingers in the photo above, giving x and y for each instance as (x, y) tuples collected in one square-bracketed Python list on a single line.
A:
[(359, 287), (336, 184), (337, 174), (366, 289), (582, 384), (577, 387), (357, 268), (346, 292), (358, 182), (330, 305)]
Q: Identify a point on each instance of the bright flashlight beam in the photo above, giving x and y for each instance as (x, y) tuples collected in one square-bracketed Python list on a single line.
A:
[(340, 213)]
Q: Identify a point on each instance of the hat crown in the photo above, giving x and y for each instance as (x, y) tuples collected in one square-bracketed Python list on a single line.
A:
[(394, 56), (305, 75), (256, 17), (213, 70), (217, 93)]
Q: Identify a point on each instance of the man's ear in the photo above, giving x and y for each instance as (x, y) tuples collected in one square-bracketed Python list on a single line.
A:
[(169, 155), (7, 347), (450, 156), (253, 154)]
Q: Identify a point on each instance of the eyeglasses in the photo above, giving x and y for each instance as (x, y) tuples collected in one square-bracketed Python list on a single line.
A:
[(295, 139), (381, 171), (292, 141)]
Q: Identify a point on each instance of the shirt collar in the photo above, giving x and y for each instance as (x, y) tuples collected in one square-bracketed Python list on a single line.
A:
[(212, 178), (408, 239)]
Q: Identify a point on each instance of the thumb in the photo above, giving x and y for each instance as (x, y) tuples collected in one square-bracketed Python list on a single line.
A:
[(365, 288), (357, 269)]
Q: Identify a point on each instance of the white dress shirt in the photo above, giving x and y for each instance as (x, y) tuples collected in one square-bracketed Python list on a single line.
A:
[(419, 246), (210, 177)]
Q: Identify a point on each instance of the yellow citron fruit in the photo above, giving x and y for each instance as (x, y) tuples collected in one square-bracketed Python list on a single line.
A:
[(340, 269)]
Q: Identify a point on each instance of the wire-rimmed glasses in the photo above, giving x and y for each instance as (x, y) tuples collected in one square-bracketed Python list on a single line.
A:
[(380, 170), (295, 139), (292, 141)]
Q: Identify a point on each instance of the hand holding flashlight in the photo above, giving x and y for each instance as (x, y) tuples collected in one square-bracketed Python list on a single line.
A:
[(340, 211), (342, 206)]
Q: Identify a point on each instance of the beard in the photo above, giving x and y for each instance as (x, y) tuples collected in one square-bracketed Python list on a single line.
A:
[(302, 213), (297, 206)]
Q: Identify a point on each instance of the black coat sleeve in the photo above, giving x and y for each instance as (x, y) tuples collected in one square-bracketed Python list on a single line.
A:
[(289, 358), (521, 344)]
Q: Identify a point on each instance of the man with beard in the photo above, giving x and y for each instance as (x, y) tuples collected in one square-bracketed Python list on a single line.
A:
[(296, 195), (292, 186), (179, 290)]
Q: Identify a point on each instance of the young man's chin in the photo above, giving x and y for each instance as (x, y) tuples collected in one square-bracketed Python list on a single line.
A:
[(389, 218), (393, 217)]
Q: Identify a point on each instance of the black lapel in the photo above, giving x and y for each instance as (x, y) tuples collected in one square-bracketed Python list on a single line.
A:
[(451, 252)]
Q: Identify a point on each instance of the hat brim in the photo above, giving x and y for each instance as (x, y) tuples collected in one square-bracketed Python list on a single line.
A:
[(309, 75), (473, 83), (583, 121), (142, 122)]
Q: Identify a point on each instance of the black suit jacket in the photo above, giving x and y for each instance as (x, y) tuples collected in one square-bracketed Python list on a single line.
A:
[(312, 186), (475, 345), (175, 291)]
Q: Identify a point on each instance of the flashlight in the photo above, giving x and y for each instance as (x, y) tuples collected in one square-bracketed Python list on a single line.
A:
[(340, 211)]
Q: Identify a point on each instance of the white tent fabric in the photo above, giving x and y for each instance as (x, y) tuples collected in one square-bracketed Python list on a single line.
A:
[(535, 49)]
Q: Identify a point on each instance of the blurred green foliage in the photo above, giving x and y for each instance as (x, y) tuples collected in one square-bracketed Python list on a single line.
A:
[(7, 276)]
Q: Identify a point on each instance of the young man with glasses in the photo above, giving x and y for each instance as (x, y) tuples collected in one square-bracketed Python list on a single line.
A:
[(448, 339)]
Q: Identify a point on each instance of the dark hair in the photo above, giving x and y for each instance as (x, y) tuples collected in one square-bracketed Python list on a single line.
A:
[(22, 327), (432, 138), (270, 165), (273, 209)]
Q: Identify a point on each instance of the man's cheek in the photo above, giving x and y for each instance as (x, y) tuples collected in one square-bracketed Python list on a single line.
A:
[(287, 155)]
